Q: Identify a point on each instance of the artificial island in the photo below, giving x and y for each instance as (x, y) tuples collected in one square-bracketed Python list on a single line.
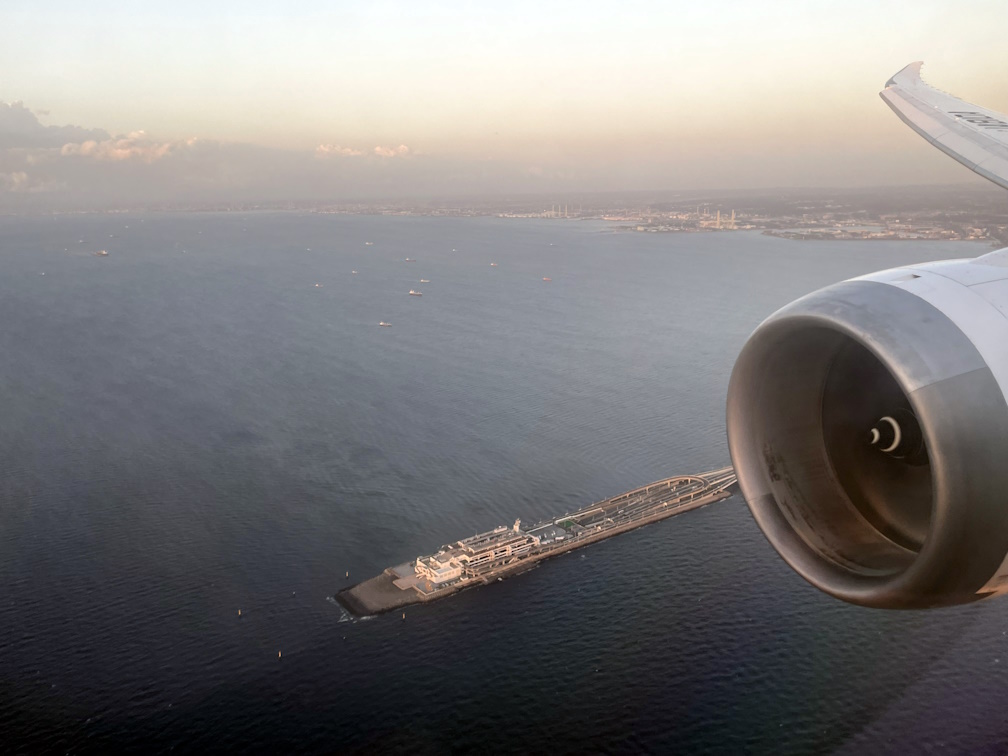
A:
[(504, 551)]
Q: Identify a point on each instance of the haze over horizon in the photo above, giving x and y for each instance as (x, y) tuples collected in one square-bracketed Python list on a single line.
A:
[(331, 101)]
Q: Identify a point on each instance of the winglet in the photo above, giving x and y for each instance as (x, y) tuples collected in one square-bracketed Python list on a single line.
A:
[(907, 76)]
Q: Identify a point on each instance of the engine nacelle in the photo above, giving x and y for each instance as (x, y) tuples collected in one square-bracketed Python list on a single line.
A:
[(868, 426)]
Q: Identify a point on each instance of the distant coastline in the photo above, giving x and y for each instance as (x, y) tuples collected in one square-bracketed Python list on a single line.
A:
[(942, 213)]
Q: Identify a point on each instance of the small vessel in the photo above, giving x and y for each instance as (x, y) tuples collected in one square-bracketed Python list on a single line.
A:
[(101, 253), (546, 278), (414, 293), (493, 265), (383, 324), (410, 259), (424, 280), (368, 244), (354, 272), (318, 286)]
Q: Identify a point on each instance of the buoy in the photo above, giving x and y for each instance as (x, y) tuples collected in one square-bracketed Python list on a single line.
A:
[(404, 615), (279, 654), (239, 612), (348, 573)]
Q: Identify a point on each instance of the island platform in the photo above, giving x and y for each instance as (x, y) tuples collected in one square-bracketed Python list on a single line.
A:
[(505, 551)]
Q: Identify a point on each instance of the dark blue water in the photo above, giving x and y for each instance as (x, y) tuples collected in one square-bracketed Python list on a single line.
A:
[(191, 426)]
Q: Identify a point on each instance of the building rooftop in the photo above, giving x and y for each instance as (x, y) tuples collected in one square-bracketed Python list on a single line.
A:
[(548, 532)]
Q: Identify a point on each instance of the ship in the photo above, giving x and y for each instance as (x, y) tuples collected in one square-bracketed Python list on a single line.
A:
[(414, 293)]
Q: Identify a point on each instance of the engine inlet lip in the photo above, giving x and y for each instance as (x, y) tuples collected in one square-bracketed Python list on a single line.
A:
[(857, 310), (848, 584)]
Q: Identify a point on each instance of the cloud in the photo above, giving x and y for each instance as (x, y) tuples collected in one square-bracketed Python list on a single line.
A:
[(20, 127), (71, 167), (390, 152), (21, 183), (335, 150), (134, 146), (14, 182)]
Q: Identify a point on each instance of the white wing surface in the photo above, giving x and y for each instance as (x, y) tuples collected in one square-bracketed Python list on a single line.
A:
[(975, 136)]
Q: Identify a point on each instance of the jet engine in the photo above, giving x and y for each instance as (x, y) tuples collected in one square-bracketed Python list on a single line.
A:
[(868, 426)]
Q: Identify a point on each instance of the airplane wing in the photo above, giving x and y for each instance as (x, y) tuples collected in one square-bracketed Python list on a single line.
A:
[(975, 136)]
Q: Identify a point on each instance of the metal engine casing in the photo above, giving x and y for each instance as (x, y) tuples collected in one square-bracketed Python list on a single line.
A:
[(871, 529)]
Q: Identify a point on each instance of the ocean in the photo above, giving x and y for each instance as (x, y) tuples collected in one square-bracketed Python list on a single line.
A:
[(210, 420)]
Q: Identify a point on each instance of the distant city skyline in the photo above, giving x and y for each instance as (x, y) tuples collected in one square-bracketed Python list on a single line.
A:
[(256, 101)]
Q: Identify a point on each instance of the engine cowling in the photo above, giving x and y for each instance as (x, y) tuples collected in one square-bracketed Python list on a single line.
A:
[(868, 426)]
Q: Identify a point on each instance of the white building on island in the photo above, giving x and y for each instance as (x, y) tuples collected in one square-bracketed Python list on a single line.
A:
[(472, 556)]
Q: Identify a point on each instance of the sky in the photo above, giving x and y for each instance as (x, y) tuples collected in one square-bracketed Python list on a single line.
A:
[(105, 102)]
